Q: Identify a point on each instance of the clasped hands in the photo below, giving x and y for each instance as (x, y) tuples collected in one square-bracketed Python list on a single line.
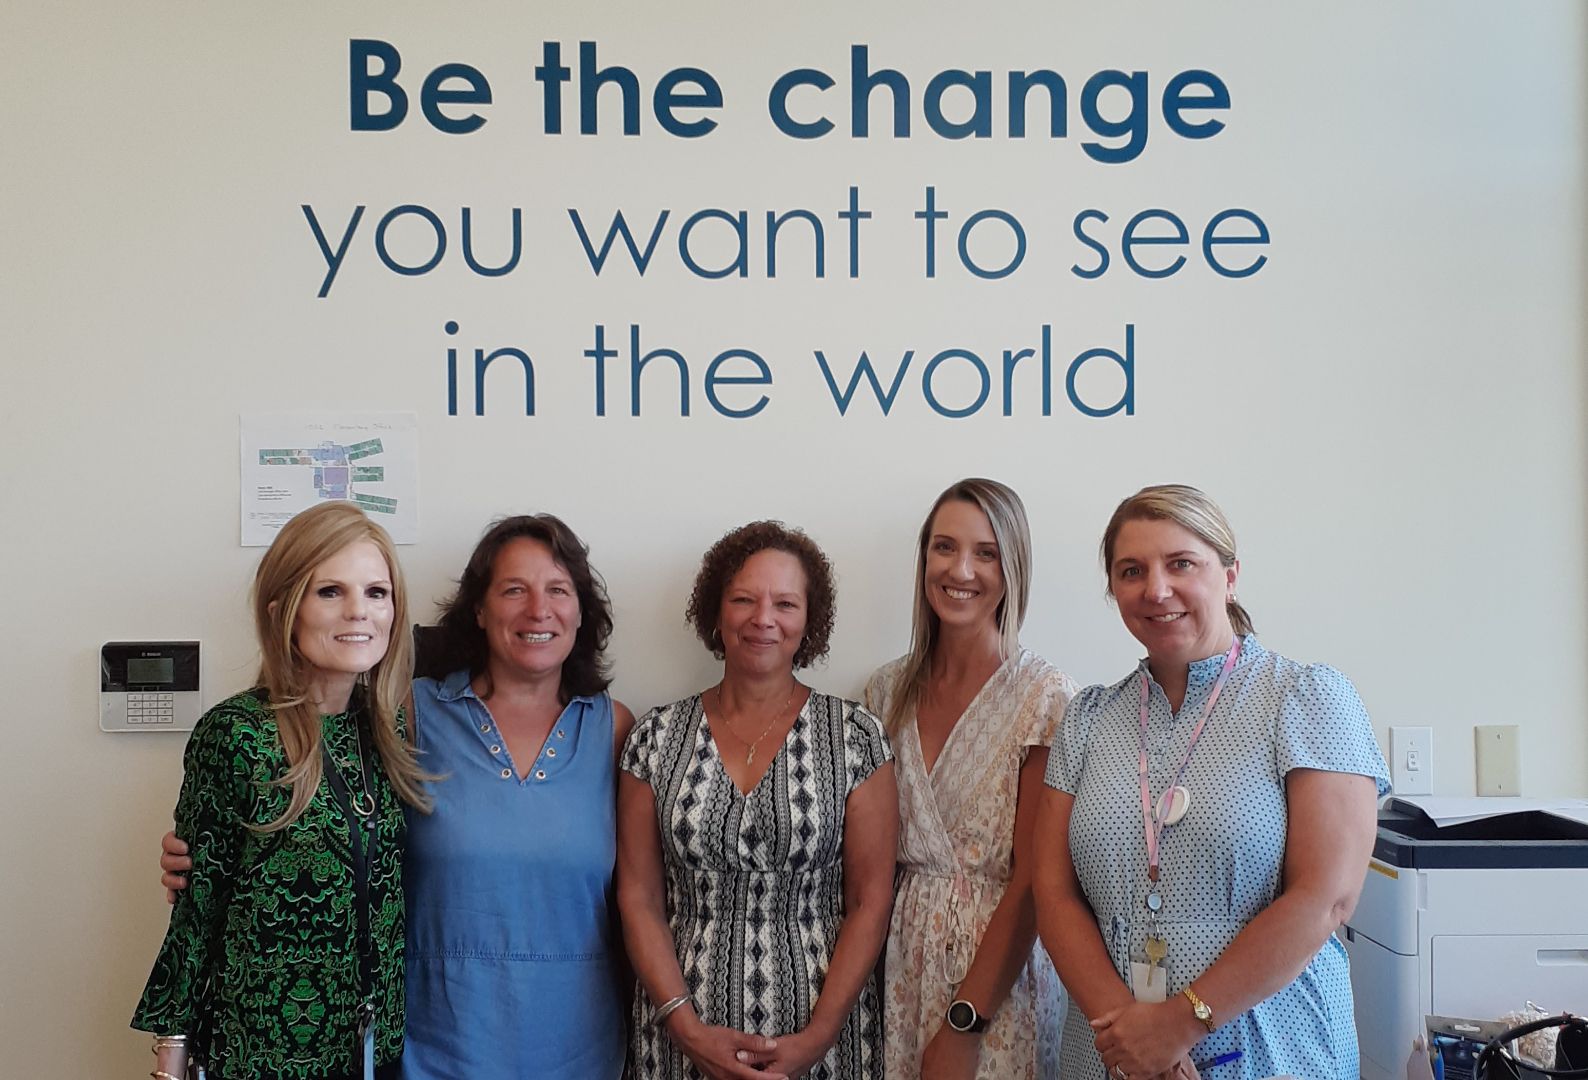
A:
[(1143, 1041), (723, 1053)]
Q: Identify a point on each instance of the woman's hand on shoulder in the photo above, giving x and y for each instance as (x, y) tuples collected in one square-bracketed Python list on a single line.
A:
[(174, 865), (725, 1053)]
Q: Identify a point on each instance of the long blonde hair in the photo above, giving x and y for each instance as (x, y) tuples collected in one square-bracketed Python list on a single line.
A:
[(1007, 516), (283, 578), (1194, 512)]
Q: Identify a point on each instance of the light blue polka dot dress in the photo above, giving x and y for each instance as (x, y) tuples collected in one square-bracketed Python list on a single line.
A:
[(1221, 864)]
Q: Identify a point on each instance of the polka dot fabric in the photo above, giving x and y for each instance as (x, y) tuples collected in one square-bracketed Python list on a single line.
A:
[(1221, 864)]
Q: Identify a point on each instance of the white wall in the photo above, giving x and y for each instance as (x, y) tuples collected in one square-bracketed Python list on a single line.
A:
[(1391, 411)]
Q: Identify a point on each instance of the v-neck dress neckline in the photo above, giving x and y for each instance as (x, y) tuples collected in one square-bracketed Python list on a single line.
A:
[(953, 732), (710, 737)]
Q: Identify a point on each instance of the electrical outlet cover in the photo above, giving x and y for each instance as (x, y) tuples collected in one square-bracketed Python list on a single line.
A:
[(1411, 760), (1497, 749)]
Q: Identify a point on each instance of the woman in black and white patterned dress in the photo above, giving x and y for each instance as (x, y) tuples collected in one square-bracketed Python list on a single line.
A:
[(757, 825)]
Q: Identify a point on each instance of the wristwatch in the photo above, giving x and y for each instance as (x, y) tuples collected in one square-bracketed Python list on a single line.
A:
[(1199, 1008), (963, 1017)]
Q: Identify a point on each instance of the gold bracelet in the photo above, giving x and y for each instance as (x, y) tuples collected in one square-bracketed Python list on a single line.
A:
[(162, 1042), (159, 1075)]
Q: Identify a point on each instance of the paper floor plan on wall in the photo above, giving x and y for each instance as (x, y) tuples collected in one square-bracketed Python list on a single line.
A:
[(291, 461)]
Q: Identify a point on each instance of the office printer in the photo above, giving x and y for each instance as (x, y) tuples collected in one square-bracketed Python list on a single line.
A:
[(1473, 919)]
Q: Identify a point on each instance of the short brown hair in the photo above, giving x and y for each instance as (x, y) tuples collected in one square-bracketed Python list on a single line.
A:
[(727, 557)]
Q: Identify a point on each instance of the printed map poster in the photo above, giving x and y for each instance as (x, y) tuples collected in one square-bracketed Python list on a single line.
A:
[(292, 461)]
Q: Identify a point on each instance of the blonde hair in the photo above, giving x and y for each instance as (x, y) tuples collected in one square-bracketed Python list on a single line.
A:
[(280, 583), (1007, 516), (1194, 512)]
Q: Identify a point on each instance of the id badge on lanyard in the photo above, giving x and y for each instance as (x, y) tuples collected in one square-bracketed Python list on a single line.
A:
[(1149, 976)]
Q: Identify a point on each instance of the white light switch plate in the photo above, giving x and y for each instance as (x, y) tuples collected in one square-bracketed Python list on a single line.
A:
[(1497, 749), (1412, 760)]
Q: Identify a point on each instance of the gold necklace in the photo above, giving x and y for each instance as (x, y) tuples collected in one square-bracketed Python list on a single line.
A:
[(749, 757)]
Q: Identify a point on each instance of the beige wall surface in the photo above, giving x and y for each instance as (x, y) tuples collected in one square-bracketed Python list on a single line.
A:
[(1391, 410)]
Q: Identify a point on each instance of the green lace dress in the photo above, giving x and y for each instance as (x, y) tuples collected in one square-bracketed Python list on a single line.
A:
[(274, 913)]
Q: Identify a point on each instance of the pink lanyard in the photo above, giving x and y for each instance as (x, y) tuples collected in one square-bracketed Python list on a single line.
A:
[(1151, 824)]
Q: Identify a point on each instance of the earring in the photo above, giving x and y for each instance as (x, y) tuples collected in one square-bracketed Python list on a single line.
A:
[(716, 639)]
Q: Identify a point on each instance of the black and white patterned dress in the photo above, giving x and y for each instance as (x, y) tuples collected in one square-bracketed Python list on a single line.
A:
[(755, 882)]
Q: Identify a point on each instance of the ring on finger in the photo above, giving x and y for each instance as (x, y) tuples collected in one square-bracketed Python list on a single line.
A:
[(1119, 1071)]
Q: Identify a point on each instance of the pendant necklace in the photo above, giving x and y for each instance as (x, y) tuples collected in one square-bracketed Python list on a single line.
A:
[(749, 757)]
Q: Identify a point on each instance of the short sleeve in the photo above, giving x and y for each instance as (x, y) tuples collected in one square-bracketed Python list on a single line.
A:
[(865, 745), (1067, 755), (1323, 725), (639, 749), (1044, 708), (879, 689)]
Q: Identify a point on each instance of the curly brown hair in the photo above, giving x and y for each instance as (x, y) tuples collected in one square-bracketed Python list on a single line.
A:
[(727, 557)]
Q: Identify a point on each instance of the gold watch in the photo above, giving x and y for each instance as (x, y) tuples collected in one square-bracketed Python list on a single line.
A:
[(1199, 1008)]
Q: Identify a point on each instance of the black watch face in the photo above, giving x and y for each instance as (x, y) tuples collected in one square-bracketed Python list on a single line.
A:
[(961, 1016)]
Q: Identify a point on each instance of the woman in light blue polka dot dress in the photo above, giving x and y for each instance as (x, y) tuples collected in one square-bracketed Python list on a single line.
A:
[(1206, 828)]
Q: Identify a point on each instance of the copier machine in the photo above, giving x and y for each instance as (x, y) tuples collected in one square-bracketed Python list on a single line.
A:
[(1473, 920)]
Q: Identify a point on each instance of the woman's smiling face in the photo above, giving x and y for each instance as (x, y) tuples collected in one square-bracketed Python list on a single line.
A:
[(762, 618), (343, 623), (530, 613), (1171, 590), (962, 572)]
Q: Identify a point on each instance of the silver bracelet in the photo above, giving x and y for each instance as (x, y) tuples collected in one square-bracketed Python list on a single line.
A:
[(667, 1008)]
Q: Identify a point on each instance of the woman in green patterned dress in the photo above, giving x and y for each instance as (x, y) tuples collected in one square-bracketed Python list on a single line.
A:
[(284, 957)]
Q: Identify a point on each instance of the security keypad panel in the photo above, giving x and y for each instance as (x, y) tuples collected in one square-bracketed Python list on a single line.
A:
[(149, 685)]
